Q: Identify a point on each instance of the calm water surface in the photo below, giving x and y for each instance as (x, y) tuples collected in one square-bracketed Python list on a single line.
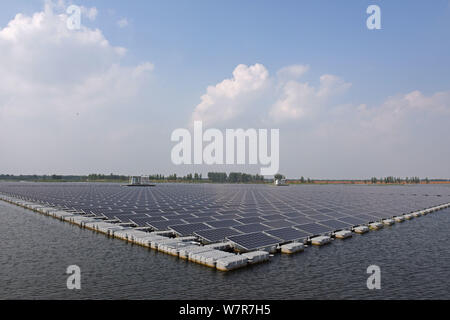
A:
[(35, 251)]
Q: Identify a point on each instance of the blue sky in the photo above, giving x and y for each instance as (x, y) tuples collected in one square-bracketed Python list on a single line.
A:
[(196, 44), (201, 41)]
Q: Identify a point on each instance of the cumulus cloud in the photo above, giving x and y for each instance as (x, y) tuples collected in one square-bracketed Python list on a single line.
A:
[(285, 97), (229, 98), (291, 100), (52, 76), (41, 60), (299, 99), (404, 112), (405, 135), (395, 137)]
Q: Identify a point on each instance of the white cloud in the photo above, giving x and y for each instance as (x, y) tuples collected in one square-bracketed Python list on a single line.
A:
[(122, 23), (405, 135), (297, 99), (227, 99), (300, 99), (334, 138), (41, 59), (405, 109), (292, 72), (292, 100), (61, 86), (277, 99)]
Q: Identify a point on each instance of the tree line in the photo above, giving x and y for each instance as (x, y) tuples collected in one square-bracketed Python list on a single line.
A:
[(234, 177), (398, 180), (217, 177)]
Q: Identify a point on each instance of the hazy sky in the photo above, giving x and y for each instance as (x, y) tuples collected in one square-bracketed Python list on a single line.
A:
[(349, 102)]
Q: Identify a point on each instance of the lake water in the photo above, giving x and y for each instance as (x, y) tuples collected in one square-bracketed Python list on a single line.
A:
[(35, 251)]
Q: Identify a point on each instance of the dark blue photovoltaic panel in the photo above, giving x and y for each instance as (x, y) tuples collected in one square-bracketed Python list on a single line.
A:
[(324, 210), (158, 218), (250, 214), (273, 217), (287, 234), (301, 220), (250, 220), (319, 217), (336, 224), (309, 211), (224, 223), (254, 241), (198, 220), (226, 217), (140, 221), (366, 218), (314, 228), (163, 225), (278, 223), (292, 214), (216, 235), (254, 227), (353, 221), (336, 215), (189, 229), (318, 209), (141, 211)]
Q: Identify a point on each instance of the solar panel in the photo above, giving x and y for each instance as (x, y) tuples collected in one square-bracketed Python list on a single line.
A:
[(250, 220), (254, 241), (224, 223), (320, 217), (353, 221), (317, 209), (309, 211), (253, 227), (287, 234), (336, 214), (216, 235), (138, 211), (140, 221), (278, 223), (366, 217), (273, 217), (227, 217), (155, 218), (292, 214), (324, 210), (198, 220), (163, 225), (250, 214), (336, 224), (301, 220), (314, 228), (189, 229)]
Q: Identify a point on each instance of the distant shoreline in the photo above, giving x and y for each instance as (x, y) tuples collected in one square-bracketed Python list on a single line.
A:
[(268, 182)]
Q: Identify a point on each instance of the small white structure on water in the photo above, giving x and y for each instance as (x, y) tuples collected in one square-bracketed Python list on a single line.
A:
[(343, 234), (281, 182), (361, 229), (320, 240), (292, 247), (140, 181)]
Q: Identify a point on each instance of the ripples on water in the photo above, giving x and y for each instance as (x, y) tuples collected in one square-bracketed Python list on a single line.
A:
[(35, 251)]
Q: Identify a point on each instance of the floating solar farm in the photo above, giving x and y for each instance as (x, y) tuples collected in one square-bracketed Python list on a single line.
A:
[(228, 226)]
